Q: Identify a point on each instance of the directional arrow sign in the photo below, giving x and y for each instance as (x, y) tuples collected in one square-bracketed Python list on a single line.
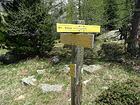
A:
[(78, 28), (83, 40)]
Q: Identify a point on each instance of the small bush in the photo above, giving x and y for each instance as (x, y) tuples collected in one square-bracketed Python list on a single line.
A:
[(89, 56), (111, 51), (121, 94)]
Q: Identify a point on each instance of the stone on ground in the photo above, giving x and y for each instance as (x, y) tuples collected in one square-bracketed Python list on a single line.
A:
[(136, 68), (55, 59), (30, 80), (66, 69), (40, 71), (91, 68), (21, 97), (86, 81), (111, 35), (51, 88)]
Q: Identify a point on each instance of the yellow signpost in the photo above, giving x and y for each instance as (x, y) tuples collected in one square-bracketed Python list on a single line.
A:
[(83, 40), (77, 35), (78, 28)]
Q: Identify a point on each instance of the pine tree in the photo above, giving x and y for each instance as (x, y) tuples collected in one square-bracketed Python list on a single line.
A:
[(110, 14), (30, 25)]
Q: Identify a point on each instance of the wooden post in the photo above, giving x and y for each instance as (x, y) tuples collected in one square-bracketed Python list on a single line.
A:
[(76, 84)]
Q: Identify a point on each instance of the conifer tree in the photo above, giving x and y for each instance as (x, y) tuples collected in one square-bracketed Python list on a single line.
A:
[(29, 26), (110, 14)]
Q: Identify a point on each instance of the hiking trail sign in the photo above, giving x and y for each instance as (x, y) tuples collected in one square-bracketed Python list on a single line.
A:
[(83, 40), (78, 36), (77, 28)]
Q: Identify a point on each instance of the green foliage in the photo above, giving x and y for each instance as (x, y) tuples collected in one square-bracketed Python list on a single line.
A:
[(92, 11), (89, 56), (2, 30), (126, 17), (2, 37), (111, 51), (71, 11), (110, 14), (30, 26), (126, 93), (125, 8), (1, 33)]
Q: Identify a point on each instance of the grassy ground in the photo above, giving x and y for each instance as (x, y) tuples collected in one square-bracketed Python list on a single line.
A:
[(12, 92)]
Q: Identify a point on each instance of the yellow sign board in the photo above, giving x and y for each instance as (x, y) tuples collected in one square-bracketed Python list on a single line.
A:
[(83, 40), (72, 70), (78, 28)]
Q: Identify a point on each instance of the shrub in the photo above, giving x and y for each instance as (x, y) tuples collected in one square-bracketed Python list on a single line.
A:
[(111, 51), (121, 94), (2, 38), (8, 58), (89, 56)]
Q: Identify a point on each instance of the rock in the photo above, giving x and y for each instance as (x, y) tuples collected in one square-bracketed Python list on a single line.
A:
[(55, 59), (69, 100), (111, 35), (105, 87), (91, 68), (66, 69), (40, 71), (136, 68), (87, 81), (30, 80), (51, 88), (21, 97), (120, 60)]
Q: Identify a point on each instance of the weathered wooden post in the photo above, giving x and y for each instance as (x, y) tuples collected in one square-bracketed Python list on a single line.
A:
[(77, 60), (73, 34)]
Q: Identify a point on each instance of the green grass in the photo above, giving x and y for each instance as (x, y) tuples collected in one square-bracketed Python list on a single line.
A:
[(11, 87)]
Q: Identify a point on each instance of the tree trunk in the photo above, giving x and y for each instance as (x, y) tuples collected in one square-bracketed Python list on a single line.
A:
[(133, 40)]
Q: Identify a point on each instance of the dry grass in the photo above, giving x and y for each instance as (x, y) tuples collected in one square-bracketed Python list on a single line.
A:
[(12, 92)]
